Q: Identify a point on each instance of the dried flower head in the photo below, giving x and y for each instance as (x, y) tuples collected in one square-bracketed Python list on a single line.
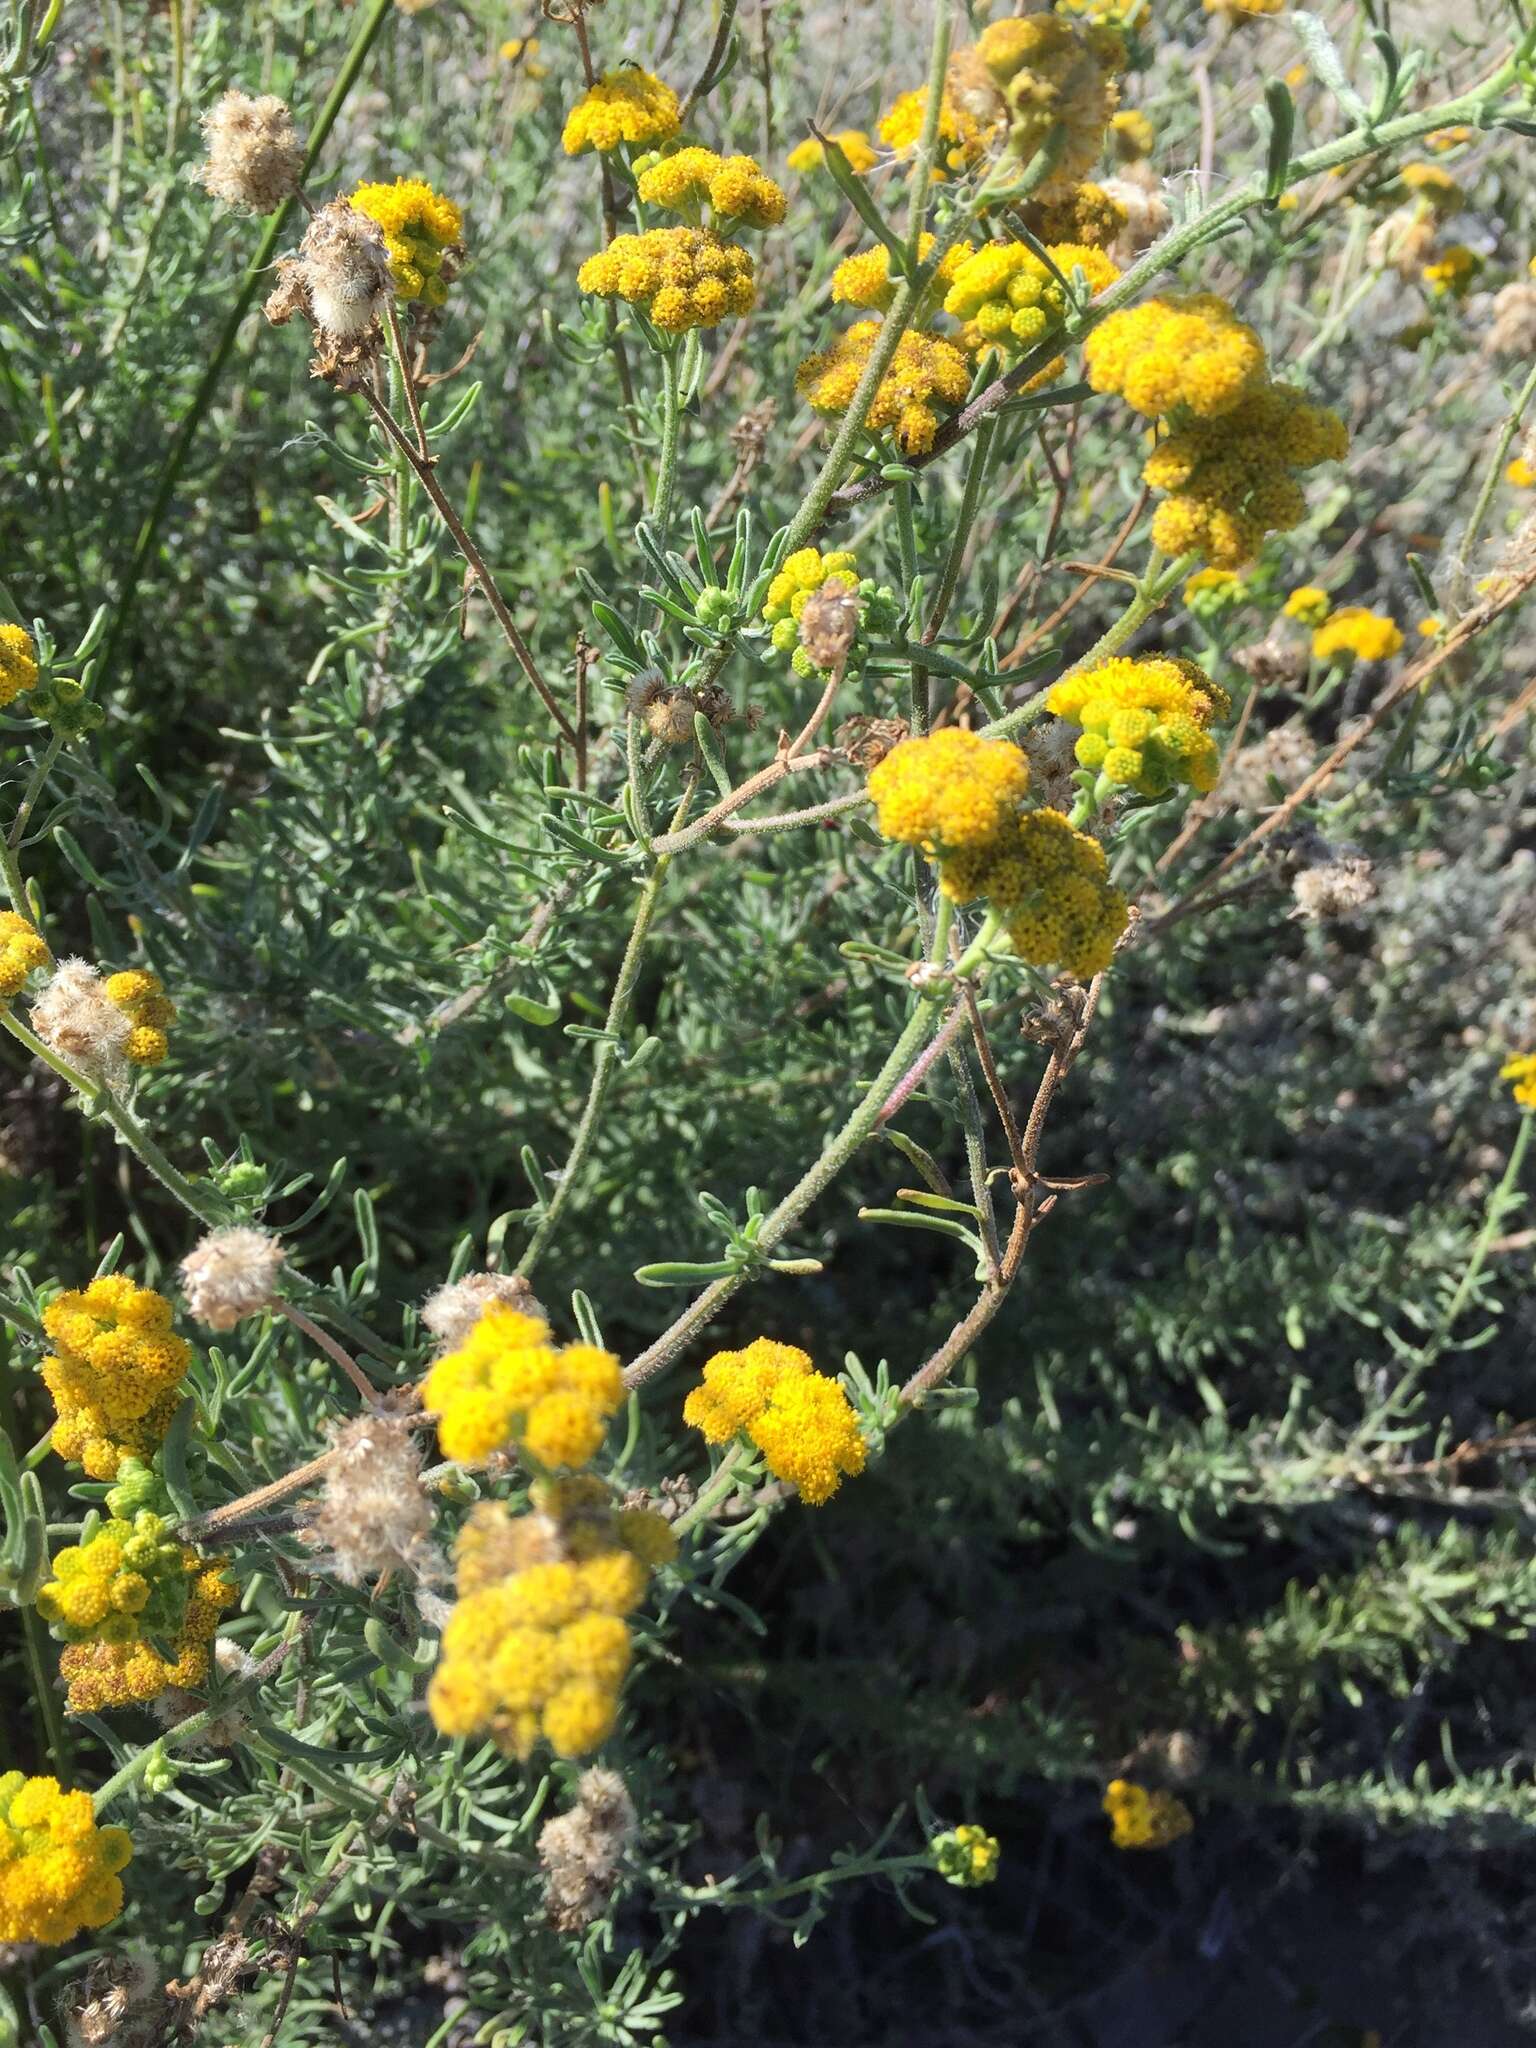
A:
[(582, 1850), (75, 1018), (118, 2003), (374, 1516), (339, 282), (1138, 192), (231, 1274), (829, 623), (1335, 888), (1513, 328), (255, 158), (453, 1311)]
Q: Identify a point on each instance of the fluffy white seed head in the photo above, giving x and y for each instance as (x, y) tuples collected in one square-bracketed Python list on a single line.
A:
[(345, 267), (73, 1017), (374, 1516), (254, 154), (453, 1311), (582, 1850), (231, 1274)]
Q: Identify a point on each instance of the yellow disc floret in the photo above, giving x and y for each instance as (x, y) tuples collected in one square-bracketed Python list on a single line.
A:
[(1356, 633), (735, 188), (811, 155), (506, 1385), (1520, 1072), (1016, 300), (682, 277), (420, 229), (18, 662), (1182, 350), (21, 950), (949, 792), (630, 107), (1140, 1819), (924, 369), (801, 1421), (113, 1373), (962, 139), (1144, 722), (141, 997), (58, 1870)]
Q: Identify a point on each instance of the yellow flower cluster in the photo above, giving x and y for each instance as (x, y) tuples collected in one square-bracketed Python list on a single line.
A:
[(1132, 134), (1452, 272), (925, 369), (114, 1372), (102, 1674), (58, 1870), (1144, 722), (683, 277), (1187, 350), (966, 1855), (735, 188), (1520, 1072), (1357, 633), (801, 1421), (865, 279), (1083, 213), (127, 1580), (1232, 479), (142, 999), (1140, 1819), (1521, 473), (623, 107), (420, 228), (18, 662), (1051, 884), (1308, 605), (803, 573), (1433, 185), (1014, 300), (1050, 82), (21, 949), (962, 139), (536, 1645), (951, 792), (811, 154), (506, 1384)]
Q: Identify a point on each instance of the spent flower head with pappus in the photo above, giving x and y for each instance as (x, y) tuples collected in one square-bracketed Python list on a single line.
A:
[(255, 156)]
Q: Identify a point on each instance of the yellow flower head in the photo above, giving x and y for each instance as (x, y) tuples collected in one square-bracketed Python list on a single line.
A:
[(128, 1671), (801, 1421), (803, 573), (1051, 883), (1358, 634), (1231, 478), (625, 107), (523, 51), (420, 228), (506, 1385), (811, 154), (1521, 473), (536, 1647), (925, 369), (1039, 80), (1144, 722), (21, 950), (1451, 275), (1181, 350), (1430, 626), (962, 139), (966, 1855), (949, 792), (142, 999), (131, 1578), (18, 662), (733, 187), (865, 280), (1308, 605), (58, 1870), (1084, 213), (1013, 298), (1520, 1072), (1140, 1819), (114, 1372), (682, 277), (1435, 187), (1212, 587), (1132, 134)]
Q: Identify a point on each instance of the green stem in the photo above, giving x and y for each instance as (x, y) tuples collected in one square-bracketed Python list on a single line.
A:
[(605, 1063), (715, 1489), (378, 13), (838, 1151), (666, 475), (34, 788), (1150, 593), (43, 1691), (1496, 466), (99, 1099)]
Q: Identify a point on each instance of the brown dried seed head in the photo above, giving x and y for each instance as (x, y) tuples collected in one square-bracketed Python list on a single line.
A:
[(255, 157), (829, 623)]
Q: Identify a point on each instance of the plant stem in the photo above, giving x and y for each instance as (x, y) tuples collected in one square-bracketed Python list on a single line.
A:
[(1495, 468), (715, 1489), (43, 1691), (378, 13), (835, 1156), (666, 475)]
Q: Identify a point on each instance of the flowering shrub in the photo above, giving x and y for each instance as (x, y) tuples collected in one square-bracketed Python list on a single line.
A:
[(770, 1017)]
